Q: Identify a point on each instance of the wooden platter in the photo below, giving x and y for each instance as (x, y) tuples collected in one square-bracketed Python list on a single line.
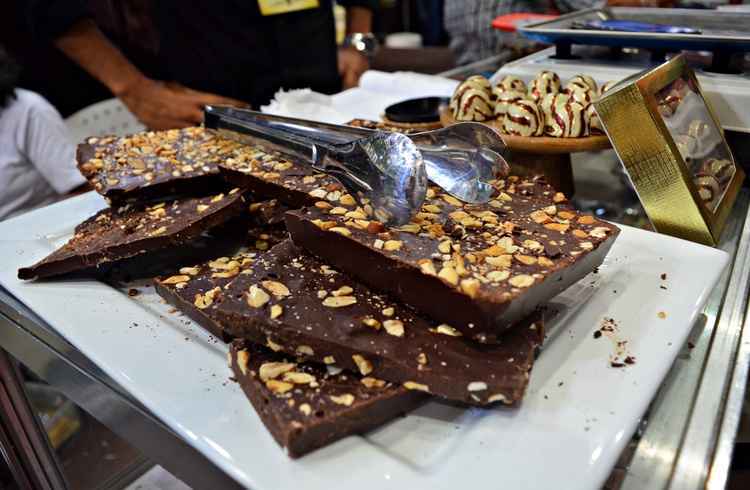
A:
[(547, 145)]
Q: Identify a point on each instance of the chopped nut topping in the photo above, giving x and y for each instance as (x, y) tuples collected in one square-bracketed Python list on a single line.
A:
[(276, 288), (341, 230), (498, 397), (371, 322), (586, 219), (412, 385), (498, 276), (305, 409), (545, 262), (364, 366), (580, 234), (338, 210), (324, 225), (305, 350), (389, 311), (205, 300), (276, 311), (561, 227), (427, 267), (477, 386), (357, 215), (599, 232), (202, 207), (422, 358), (193, 271), (159, 231), (445, 246), (329, 360), (540, 217), (394, 327), (521, 281), (586, 245), (501, 262), (299, 378), (243, 357), (558, 198), (410, 228), (278, 387), (566, 215), (375, 227), (452, 200), (392, 245), (343, 291), (256, 297), (470, 287), (371, 382), (175, 279), (552, 210), (346, 399), (339, 301), (217, 198), (322, 293), (272, 370), (378, 243), (447, 330), (449, 275), (525, 259), (323, 205), (273, 345), (319, 193), (505, 197), (347, 200)]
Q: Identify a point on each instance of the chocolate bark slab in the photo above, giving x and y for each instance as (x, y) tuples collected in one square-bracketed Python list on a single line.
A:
[(156, 164), (479, 268), (292, 302), (304, 407), (114, 234), (272, 176)]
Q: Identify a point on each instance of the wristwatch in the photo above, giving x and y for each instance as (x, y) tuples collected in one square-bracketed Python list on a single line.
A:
[(364, 42)]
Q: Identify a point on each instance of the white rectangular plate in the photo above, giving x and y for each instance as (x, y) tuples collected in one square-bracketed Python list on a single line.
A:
[(575, 420)]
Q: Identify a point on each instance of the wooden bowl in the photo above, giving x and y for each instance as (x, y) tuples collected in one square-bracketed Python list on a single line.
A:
[(539, 144)]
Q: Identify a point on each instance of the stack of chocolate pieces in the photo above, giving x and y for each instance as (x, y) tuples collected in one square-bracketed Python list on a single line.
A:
[(344, 323)]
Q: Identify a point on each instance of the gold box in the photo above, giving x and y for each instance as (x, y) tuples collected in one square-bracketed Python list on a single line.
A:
[(672, 145)]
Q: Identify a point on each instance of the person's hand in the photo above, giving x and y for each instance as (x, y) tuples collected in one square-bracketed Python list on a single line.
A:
[(352, 64), (160, 105)]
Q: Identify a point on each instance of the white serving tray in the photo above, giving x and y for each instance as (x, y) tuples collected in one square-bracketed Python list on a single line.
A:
[(578, 414)]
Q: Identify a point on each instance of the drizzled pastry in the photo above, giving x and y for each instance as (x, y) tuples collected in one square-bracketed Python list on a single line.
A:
[(564, 117), (583, 81), (524, 119), (476, 82), (511, 83), (719, 168), (709, 189), (504, 99), (546, 82), (593, 122), (474, 105), (581, 94)]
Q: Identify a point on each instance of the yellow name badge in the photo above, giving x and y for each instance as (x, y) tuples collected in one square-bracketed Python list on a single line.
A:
[(275, 7)]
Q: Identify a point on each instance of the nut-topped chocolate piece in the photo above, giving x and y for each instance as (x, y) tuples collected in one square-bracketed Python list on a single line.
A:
[(523, 118), (478, 268), (273, 176), (305, 407), (155, 164), (564, 118), (546, 82), (114, 234), (295, 303)]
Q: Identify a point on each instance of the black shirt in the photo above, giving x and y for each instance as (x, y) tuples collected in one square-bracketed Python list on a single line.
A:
[(226, 46)]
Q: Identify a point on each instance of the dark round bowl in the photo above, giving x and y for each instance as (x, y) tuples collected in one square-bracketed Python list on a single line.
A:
[(422, 110)]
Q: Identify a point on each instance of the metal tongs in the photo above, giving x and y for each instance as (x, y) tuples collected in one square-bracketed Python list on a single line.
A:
[(386, 169)]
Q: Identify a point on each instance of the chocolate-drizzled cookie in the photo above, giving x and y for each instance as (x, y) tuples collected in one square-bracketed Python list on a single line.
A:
[(474, 105), (504, 99), (582, 95), (524, 118), (511, 83), (476, 82), (583, 81), (546, 82), (564, 117)]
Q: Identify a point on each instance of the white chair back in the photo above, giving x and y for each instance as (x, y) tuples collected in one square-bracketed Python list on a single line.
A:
[(106, 117)]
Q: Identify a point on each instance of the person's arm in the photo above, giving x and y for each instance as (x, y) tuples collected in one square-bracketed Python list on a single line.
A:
[(352, 64), (155, 104)]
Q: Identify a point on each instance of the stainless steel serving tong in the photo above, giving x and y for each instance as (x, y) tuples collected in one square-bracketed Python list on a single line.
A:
[(461, 158)]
